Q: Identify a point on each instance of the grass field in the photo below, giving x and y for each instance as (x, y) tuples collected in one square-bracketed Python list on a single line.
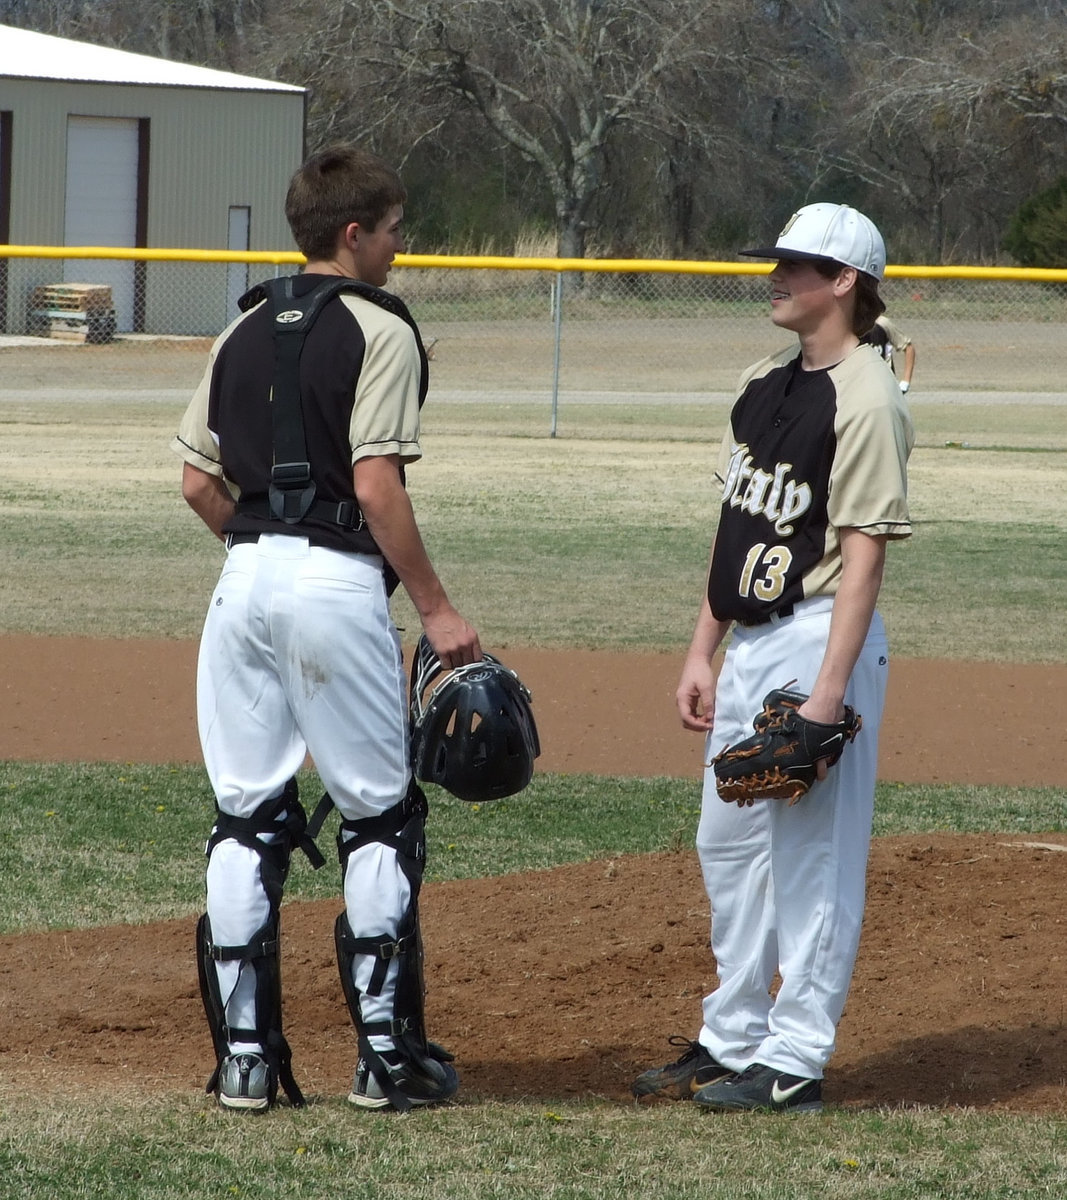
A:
[(174, 1149), (107, 844), (596, 538)]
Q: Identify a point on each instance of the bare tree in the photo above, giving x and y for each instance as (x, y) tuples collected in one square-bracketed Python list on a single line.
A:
[(948, 139), (560, 81), (209, 32), (690, 123), (58, 17)]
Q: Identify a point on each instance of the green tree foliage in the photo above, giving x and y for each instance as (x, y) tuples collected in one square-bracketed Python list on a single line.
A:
[(1037, 235)]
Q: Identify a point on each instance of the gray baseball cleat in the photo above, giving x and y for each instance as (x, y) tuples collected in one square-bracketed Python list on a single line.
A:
[(423, 1080), (244, 1083)]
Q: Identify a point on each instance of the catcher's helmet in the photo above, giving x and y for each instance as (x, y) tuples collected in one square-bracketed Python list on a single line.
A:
[(474, 732)]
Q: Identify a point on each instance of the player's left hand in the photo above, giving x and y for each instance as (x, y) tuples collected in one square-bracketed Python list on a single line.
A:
[(788, 751), (904, 385), (454, 639)]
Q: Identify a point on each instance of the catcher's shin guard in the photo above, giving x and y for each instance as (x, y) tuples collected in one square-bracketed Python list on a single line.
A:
[(284, 818), (263, 954), (403, 828)]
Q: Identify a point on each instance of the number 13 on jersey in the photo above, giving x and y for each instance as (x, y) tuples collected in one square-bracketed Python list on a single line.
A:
[(764, 572)]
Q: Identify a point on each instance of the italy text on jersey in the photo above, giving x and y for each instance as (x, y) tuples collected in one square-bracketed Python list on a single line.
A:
[(782, 501), (777, 497)]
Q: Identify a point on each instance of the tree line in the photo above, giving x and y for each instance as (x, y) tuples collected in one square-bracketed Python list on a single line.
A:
[(660, 127)]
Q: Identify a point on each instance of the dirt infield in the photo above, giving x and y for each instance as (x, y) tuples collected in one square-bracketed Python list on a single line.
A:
[(73, 699), (567, 982)]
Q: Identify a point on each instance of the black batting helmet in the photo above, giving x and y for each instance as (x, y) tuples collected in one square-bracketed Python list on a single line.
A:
[(473, 733)]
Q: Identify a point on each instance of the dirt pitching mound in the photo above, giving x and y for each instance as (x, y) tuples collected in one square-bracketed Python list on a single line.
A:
[(567, 982)]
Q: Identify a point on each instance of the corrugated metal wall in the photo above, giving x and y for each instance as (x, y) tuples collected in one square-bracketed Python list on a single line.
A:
[(209, 149)]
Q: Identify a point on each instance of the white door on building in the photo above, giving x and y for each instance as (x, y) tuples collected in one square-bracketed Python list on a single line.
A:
[(237, 273), (101, 204)]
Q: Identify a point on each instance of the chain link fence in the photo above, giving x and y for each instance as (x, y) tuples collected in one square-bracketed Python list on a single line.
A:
[(609, 333)]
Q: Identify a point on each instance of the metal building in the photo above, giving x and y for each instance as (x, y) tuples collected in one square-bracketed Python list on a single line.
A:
[(101, 147)]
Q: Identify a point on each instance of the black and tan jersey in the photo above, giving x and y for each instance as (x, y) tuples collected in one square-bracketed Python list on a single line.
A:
[(362, 381), (886, 338), (806, 454)]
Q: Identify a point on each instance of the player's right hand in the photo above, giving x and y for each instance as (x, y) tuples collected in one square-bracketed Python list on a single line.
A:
[(695, 696)]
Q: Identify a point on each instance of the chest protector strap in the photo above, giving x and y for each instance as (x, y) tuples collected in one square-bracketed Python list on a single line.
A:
[(291, 496)]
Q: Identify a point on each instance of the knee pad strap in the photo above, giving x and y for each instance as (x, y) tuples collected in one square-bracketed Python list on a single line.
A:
[(289, 831), (403, 827)]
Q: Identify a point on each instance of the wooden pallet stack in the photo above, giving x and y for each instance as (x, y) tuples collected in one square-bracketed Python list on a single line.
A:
[(72, 312)]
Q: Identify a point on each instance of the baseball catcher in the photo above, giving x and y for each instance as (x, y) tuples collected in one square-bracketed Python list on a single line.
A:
[(295, 448), (780, 760)]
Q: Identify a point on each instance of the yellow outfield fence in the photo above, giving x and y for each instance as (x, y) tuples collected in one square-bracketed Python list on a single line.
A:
[(473, 262), (534, 329)]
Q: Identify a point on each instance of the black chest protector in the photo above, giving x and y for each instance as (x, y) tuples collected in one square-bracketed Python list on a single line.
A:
[(291, 497)]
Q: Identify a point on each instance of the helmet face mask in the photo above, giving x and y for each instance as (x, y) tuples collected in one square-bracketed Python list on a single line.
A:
[(473, 731)]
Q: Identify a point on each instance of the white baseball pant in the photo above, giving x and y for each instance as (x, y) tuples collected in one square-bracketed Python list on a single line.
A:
[(299, 655), (787, 884)]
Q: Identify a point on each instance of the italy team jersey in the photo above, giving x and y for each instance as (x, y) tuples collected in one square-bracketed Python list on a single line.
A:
[(806, 454)]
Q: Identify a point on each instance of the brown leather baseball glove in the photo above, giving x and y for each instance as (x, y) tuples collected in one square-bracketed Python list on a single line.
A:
[(778, 762)]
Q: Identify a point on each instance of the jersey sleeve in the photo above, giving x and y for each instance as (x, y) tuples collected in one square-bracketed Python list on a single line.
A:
[(385, 416), (194, 441), (897, 338), (873, 429)]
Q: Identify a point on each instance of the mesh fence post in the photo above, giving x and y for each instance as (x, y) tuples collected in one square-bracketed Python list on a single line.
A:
[(557, 336)]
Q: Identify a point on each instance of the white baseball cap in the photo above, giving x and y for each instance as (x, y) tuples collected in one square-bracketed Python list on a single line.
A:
[(829, 233)]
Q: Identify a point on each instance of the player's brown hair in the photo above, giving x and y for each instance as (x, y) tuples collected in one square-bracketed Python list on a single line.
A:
[(869, 304), (334, 187)]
